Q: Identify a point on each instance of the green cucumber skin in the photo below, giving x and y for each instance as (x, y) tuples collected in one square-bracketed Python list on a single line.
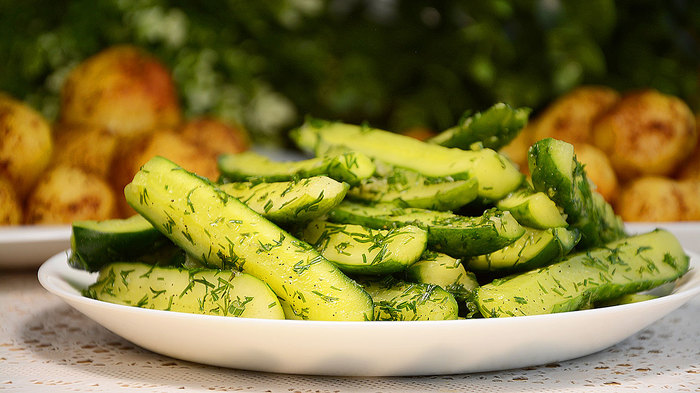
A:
[(621, 267), (224, 233), (359, 250), (443, 270), (496, 175), (197, 291), (457, 236), (535, 249), (396, 300), (97, 243), (349, 167), (443, 196), (290, 202), (566, 184)]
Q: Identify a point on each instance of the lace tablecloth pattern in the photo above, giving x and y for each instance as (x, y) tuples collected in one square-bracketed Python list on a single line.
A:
[(45, 345)]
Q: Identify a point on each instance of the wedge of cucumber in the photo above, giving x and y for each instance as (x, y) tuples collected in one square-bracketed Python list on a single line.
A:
[(443, 270), (532, 209), (224, 233)]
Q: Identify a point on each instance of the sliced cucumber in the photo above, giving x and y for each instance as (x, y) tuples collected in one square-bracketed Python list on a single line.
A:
[(445, 271), (349, 167), (455, 235), (97, 243), (198, 291), (495, 174), (290, 202), (224, 233), (621, 267), (536, 248), (396, 300), (532, 209), (360, 250)]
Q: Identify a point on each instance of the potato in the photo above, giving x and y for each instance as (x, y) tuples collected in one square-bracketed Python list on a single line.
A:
[(655, 198), (25, 144), (122, 89), (65, 194), (164, 142), (569, 118), (646, 133), (215, 136), (690, 168), (10, 206), (88, 147), (598, 170)]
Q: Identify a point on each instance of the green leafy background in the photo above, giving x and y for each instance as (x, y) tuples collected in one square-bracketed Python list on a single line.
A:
[(395, 64)]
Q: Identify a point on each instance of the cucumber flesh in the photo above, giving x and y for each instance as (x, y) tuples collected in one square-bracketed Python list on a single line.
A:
[(532, 209), (445, 271)]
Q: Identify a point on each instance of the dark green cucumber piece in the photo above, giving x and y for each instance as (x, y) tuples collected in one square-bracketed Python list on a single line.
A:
[(349, 167), (197, 291), (556, 172), (496, 175), (455, 235), (97, 243), (224, 233), (536, 248), (620, 267), (494, 128), (361, 250), (411, 189), (532, 209), (396, 300), (443, 270), (290, 202)]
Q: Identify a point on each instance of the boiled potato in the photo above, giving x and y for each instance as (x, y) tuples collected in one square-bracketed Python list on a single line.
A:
[(690, 169), (10, 205), (25, 144), (569, 118), (215, 136), (646, 133), (122, 89), (88, 147), (164, 142), (656, 198), (598, 170), (66, 193)]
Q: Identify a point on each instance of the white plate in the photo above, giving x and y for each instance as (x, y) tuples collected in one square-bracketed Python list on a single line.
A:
[(30, 245), (367, 348)]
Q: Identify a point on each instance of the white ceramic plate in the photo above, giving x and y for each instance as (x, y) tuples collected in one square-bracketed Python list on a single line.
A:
[(30, 245), (367, 348)]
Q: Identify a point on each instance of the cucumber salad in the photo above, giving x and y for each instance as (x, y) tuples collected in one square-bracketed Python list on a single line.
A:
[(375, 226)]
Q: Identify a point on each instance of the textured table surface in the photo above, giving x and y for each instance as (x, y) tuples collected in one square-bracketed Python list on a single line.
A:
[(45, 345)]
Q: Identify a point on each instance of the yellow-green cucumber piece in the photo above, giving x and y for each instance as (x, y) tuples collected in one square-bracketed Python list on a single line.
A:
[(452, 234), (624, 266), (290, 202), (223, 232), (496, 175), (360, 250), (411, 189), (532, 209), (443, 270), (397, 300), (349, 167), (198, 291), (536, 248), (97, 243), (556, 172), (626, 299)]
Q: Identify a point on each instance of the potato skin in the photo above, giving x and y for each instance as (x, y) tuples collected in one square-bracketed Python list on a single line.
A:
[(646, 133), (599, 170), (656, 198), (569, 118), (26, 144), (65, 194), (215, 136), (10, 206), (690, 168), (122, 89), (88, 147)]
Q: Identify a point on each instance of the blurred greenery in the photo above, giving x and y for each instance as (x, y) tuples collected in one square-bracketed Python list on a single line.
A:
[(395, 64)]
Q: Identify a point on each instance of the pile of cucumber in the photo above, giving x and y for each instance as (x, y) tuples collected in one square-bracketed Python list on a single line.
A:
[(376, 226)]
